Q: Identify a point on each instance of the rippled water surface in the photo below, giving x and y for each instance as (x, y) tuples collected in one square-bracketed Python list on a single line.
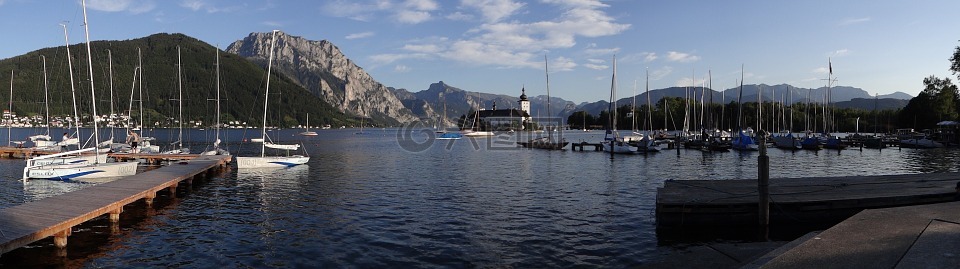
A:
[(379, 200)]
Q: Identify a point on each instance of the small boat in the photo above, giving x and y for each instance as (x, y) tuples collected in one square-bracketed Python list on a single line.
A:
[(921, 142), (450, 136), (307, 131)]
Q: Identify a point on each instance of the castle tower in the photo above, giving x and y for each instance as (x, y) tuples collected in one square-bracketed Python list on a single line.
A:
[(524, 103)]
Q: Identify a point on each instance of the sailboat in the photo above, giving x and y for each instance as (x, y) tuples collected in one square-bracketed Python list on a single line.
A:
[(743, 141), (179, 149), (44, 141), (306, 131), (264, 161), (612, 140), (96, 169), (647, 143), (547, 142), (476, 131), (832, 141), (216, 143), (447, 135)]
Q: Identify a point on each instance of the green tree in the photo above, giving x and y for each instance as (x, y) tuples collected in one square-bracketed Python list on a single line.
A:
[(937, 102)]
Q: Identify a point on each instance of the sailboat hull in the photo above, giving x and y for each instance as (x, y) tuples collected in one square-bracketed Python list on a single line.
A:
[(271, 161), (81, 171), (83, 159)]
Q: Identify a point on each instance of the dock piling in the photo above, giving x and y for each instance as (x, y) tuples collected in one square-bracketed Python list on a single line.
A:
[(763, 181), (60, 239), (115, 215)]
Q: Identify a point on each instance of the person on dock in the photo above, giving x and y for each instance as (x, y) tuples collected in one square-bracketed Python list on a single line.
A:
[(63, 143), (134, 140)]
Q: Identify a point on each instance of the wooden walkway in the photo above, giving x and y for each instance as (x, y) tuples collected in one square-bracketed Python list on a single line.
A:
[(56, 216), (155, 158), (23, 153), (797, 200)]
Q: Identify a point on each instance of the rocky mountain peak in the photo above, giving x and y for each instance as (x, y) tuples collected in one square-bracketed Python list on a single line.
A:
[(321, 68)]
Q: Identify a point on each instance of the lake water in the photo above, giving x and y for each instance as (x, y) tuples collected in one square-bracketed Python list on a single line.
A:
[(388, 198)]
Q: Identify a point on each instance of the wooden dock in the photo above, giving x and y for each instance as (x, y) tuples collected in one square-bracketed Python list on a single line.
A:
[(56, 216), (23, 153), (691, 203), (154, 158)]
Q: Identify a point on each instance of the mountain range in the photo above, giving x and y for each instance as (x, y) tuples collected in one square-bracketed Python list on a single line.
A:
[(317, 78)]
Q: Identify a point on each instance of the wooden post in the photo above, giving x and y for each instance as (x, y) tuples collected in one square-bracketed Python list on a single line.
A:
[(60, 239), (763, 181), (149, 198), (115, 215)]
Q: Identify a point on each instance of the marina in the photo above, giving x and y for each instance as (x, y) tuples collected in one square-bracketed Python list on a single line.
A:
[(348, 199)]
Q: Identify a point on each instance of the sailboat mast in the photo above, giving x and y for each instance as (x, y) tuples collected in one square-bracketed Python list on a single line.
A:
[(10, 124), (740, 103), (218, 101), (263, 134), (93, 93), (180, 99), (649, 108), (110, 62), (73, 91), (546, 72), (140, 89), (136, 70), (46, 97)]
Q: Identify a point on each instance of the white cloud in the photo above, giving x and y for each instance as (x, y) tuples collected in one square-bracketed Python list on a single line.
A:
[(412, 16), (197, 5), (850, 21), (596, 66), (424, 48), (690, 82), (681, 57), (272, 23), (408, 12), (562, 64), (359, 35), (401, 68), (592, 50), (131, 6), (649, 57), (839, 53), (660, 73), (425, 5), (504, 44), (820, 70), (493, 10), (459, 16), (596, 61), (385, 59)]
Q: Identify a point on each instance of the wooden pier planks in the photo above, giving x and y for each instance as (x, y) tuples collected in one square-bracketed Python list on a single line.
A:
[(734, 202), (24, 224)]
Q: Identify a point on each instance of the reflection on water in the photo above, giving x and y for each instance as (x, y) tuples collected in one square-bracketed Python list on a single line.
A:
[(367, 201)]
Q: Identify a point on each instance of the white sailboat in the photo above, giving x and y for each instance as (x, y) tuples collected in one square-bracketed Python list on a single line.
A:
[(44, 141), (178, 145), (647, 143), (96, 169), (306, 131), (264, 161), (216, 143), (612, 139)]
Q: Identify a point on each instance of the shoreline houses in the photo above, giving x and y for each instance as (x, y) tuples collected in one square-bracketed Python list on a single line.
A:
[(511, 119)]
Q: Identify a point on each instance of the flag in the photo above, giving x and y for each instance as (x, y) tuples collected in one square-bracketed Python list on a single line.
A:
[(830, 64)]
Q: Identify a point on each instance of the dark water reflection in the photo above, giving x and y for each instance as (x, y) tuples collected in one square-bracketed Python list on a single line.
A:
[(368, 201)]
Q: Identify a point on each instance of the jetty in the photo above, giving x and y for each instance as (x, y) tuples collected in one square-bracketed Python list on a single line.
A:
[(795, 201), (23, 153), (56, 216), (153, 158)]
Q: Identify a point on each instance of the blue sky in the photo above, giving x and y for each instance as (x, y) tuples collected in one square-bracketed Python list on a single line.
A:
[(498, 46)]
